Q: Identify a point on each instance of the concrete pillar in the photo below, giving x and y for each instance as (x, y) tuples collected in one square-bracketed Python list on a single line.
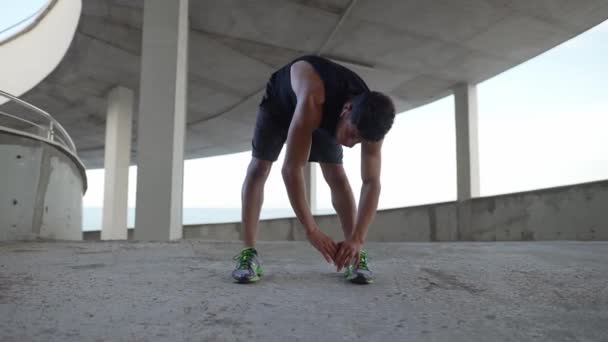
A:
[(467, 154), (467, 141), (310, 178), (162, 120), (116, 163)]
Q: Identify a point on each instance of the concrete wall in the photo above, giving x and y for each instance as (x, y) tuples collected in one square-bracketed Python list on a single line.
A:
[(41, 189), (578, 212), (575, 212)]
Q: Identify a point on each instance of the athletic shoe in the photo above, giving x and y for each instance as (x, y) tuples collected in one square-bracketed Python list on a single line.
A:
[(361, 274), (248, 268)]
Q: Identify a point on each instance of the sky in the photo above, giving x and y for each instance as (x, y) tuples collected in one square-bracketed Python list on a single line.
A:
[(14, 11), (541, 124), (545, 122)]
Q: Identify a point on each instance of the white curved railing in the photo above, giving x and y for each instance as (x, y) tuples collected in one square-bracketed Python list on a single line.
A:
[(50, 129)]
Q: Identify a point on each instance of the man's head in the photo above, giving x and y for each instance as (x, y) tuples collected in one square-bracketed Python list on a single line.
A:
[(366, 117)]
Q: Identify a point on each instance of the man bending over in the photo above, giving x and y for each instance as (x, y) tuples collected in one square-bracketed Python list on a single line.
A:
[(314, 107)]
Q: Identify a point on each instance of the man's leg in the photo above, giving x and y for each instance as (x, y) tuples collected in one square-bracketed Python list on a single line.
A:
[(252, 197), (248, 268), (342, 197)]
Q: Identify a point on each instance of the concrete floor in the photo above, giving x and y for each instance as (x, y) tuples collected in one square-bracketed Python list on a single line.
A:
[(129, 291)]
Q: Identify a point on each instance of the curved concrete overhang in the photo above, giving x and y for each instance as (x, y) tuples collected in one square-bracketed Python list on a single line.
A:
[(59, 147), (416, 51), (29, 56)]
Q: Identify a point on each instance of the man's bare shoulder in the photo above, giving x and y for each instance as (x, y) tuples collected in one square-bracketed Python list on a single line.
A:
[(305, 80), (302, 67)]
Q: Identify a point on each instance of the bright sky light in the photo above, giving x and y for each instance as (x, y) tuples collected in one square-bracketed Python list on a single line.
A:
[(541, 124), (545, 122), (13, 13)]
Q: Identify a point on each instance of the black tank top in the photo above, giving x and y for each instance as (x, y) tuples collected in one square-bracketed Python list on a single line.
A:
[(341, 84)]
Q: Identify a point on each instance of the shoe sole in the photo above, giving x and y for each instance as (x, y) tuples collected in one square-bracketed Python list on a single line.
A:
[(246, 281), (361, 280)]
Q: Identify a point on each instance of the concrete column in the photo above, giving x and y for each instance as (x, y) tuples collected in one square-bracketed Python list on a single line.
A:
[(162, 120), (467, 141), (310, 178), (467, 154), (116, 163)]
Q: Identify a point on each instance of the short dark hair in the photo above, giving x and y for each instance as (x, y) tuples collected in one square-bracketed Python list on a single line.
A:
[(373, 113)]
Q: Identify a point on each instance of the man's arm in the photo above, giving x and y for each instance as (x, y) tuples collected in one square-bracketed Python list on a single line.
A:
[(310, 92), (371, 160), (368, 203)]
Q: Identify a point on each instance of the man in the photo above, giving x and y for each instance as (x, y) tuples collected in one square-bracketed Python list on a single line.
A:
[(315, 106)]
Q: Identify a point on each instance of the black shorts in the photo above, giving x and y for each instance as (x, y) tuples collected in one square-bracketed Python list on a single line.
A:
[(271, 132)]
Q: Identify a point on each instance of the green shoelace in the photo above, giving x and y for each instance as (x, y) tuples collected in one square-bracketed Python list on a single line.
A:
[(244, 258), (363, 261)]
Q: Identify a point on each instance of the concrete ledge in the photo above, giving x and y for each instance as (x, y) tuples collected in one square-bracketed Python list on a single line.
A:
[(574, 212)]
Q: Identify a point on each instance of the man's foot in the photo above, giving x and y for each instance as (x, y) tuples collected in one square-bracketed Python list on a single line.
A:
[(361, 274), (248, 268)]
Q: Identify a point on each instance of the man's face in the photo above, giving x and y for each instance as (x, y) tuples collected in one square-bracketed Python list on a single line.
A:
[(347, 133)]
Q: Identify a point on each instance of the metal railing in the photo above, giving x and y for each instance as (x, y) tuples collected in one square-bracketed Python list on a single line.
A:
[(50, 129)]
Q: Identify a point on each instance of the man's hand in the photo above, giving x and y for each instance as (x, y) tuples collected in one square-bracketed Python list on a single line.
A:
[(347, 250), (322, 243)]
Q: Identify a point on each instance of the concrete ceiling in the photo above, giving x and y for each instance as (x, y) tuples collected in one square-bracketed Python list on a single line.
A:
[(416, 50)]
